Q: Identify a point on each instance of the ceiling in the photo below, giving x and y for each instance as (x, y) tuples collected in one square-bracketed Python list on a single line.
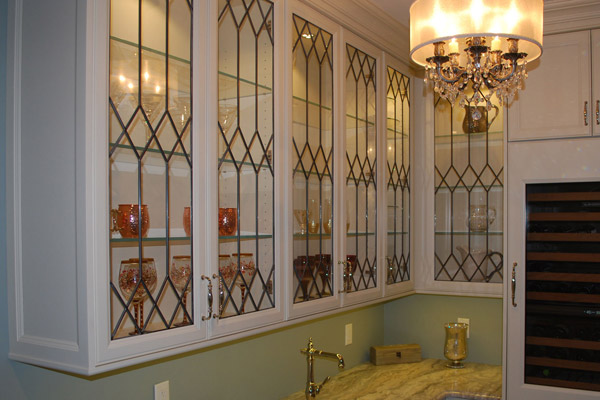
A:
[(397, 9)]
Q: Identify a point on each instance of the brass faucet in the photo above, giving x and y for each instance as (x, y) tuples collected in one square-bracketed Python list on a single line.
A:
[(312, 389)]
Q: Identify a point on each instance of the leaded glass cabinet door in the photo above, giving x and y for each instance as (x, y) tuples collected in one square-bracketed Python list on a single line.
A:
[(246, 176), (150, 166), (360, 169), (469, 186), (312, 159), (397, 141)]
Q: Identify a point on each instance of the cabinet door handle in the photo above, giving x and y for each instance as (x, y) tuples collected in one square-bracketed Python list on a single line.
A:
[(346, 277), (585, 121), (597, 112), (210, 298), (513, 284)]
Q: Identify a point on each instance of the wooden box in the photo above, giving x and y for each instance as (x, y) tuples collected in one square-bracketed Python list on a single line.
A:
[(395, 354)]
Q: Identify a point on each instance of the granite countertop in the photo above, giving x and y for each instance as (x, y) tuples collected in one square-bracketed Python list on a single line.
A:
[(428, 379)]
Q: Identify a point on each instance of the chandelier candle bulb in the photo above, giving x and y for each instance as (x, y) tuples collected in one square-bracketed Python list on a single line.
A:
[(496, 44), (453, 47)]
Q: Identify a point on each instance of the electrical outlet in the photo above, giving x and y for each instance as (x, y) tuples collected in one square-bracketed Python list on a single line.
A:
[(161, 391), (468, 322), (348, 334)]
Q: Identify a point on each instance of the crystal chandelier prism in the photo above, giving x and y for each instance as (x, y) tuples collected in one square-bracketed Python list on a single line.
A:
[(466, 46)]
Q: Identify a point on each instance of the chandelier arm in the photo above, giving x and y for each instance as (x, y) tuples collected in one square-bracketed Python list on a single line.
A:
[(457, 72), (499, 80)]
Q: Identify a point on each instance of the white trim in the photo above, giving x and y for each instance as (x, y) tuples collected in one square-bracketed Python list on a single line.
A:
[(570, 15), (13, 170), (204, 203), (49, 343)]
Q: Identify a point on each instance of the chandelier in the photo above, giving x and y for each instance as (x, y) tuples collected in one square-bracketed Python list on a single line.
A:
[(468, 45)]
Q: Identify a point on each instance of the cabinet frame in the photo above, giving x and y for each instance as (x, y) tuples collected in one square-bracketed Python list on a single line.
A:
[(407, 286), (348, 38), (295, 310), (424, 244)]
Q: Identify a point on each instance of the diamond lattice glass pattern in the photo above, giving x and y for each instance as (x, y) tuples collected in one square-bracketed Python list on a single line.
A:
[(398, 177), (150, 165), (360, 270), (469, 184), (312, 141), (245, 165)]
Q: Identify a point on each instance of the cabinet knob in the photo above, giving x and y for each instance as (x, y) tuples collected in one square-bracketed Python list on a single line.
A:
[(585, 113)]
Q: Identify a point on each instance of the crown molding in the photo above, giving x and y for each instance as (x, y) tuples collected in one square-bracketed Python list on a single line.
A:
[(368, 21), (570, 15)]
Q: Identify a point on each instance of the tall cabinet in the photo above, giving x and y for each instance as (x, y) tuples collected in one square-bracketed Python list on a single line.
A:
[(551, 302), (223, 168)]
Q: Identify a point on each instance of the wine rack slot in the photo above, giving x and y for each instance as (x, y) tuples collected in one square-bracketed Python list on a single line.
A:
[(563, 237), (583, 196), (568, 216), (563, 383), (562, 288)]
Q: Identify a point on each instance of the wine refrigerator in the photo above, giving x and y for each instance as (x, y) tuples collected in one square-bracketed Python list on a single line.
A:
[(562, 290)]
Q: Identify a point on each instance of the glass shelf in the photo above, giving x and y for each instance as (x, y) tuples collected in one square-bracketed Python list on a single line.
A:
[(328, 235), (348, 115), (228, 87), (463, 138), (469, 189), (153, 151), (179, 240), (246, 236), (472, 233), (228, 165), (149, 241), (148, 49)]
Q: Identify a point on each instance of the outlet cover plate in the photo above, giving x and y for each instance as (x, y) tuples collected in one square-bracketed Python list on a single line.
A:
[(348, 331), (161, 391)]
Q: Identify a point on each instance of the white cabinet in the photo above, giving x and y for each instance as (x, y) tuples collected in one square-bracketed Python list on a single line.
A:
[(461, 181), (561, 96), (533, 376), (180, 124), (345, 157)]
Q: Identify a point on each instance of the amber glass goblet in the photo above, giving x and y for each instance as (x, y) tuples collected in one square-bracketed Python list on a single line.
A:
[(126, 220), (227, 221)]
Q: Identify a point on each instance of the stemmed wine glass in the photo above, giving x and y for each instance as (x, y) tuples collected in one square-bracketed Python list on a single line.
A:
[(129, 277), (301, 218), (246, 268), (227, 272), (180, 274)]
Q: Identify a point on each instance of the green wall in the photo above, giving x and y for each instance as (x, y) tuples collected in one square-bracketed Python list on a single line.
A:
[(421, 318), (267, 366)]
